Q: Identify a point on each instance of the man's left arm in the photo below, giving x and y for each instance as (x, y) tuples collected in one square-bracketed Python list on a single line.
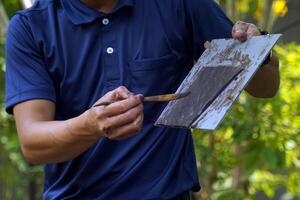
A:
[(206, 21), (266, 81)]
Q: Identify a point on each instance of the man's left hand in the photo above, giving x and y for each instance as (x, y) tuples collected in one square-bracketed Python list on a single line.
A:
[(266, 81), (242, 30)]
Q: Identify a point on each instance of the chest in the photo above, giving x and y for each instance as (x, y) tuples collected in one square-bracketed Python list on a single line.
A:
[(128, 48)]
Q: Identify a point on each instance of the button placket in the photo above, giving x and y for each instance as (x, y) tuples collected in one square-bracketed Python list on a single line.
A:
[(110, 53)]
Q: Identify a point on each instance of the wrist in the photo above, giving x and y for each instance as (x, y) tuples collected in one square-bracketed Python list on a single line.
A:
[(79, 128)]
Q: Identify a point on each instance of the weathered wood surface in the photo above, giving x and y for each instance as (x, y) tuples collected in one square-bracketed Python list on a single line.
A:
[(201, 109), (212, 80)]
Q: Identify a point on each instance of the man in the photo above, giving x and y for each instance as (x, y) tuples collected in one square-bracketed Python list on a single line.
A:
[(63, 56)]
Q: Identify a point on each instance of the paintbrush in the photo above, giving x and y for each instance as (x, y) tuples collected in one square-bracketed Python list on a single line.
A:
[(157, 98)]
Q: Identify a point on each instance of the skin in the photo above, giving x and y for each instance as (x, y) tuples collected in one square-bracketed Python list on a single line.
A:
[(44, 140), (104, 6)]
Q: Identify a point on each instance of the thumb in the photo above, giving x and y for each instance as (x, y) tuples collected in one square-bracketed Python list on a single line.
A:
[(118, 94)]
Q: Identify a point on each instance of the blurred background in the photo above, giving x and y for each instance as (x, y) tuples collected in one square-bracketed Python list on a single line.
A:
[(255, 154)]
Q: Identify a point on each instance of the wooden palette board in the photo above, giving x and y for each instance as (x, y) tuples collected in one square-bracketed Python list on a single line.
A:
[(216, 81)]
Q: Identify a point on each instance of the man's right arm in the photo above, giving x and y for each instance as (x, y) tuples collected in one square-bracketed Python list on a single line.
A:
[(44, 140)]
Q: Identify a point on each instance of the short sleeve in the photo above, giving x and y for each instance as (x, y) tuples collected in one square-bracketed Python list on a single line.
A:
[(206, 21), (27, 77)]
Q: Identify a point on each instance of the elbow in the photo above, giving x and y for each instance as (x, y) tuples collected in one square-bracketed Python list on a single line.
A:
[(30, 157), (30, 154), (31, 147), (265, 93)]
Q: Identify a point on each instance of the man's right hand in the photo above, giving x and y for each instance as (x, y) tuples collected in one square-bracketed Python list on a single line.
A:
[(122, 118), (44, 140)]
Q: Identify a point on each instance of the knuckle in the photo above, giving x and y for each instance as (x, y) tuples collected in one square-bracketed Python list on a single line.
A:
[(121, 89), (105, 126), (253, 28), (132, 116), (133, 98), (141, 108), (98, 112), (102, 128), (135, 101), (138, 100), (123, 107), (114, 94)]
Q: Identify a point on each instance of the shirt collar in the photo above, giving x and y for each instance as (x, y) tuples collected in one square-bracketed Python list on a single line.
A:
[(80, 13)]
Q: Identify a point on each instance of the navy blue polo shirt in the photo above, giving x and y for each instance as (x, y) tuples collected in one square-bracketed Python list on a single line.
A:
[(68, 53)]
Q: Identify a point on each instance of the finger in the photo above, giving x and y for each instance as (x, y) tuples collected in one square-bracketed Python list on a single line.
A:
[(128, 130), (239, 31), (123, 135), (115, 95), (253, 31), (240, 27), (139, 119), (125, 118), (102, 113), (123, 92), (108, 98), (119, 107)]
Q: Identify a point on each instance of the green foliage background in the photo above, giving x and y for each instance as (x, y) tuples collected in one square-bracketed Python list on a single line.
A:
[(18, 179), (260, 138), (256, 148)]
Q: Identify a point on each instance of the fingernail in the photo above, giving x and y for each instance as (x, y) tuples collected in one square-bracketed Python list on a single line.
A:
[(141, 97), (114, 95)]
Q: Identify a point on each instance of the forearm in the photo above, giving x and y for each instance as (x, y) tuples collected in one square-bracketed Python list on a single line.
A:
[(54, 141), (266, 81), (44, 140)]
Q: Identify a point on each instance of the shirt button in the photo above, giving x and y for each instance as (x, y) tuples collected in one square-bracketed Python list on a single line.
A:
[(105, 21), (109, 50)]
